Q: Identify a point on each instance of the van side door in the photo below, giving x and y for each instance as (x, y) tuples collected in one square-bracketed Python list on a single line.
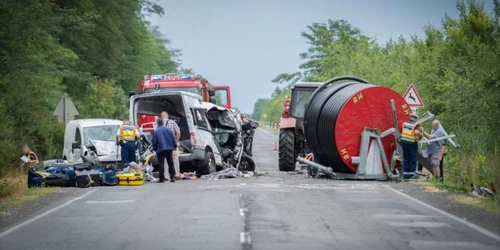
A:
[(205, 133)]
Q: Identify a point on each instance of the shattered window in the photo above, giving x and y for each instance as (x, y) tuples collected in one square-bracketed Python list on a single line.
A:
[(100, 133)]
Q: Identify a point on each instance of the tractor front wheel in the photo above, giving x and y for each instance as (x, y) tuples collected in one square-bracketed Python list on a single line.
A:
[(287, 152)]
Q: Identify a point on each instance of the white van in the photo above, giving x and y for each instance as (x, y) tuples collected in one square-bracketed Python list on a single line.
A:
[(91, 138), (197, 144)]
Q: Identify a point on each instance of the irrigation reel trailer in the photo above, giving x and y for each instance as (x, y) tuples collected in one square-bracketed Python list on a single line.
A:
[(352, 129)]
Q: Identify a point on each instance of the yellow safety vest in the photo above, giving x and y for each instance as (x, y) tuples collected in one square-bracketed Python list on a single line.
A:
[(408, 132), (127, 132)]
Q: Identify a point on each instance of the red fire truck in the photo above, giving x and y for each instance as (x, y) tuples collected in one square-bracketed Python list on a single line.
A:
[(219, 95)]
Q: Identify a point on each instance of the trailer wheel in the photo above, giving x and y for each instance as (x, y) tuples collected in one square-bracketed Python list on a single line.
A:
[(287, 152)]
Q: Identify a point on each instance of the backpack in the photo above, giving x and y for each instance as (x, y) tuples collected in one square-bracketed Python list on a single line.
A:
[(109, 178)]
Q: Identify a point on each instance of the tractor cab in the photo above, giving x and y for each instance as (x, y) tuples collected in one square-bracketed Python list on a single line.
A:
[(291, 137), (301, 94)]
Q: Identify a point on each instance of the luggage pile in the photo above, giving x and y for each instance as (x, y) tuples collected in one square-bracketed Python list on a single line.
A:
[(61, 173)]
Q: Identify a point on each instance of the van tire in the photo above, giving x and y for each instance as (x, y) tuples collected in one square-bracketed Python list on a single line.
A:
[(209, 166), (248, 161)]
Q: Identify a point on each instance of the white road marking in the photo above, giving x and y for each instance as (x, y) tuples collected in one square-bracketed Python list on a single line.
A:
[(20, 225), (245, 238), (243, 184), (421, 224), (453, 217), (403, 216), (242, 238), (242, 211), (109, 202)]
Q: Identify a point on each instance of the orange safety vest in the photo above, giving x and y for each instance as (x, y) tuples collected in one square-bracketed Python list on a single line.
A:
[(408, 132), (127, 132)]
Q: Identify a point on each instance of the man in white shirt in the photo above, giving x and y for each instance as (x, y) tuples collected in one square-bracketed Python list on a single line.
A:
[(177, 132)]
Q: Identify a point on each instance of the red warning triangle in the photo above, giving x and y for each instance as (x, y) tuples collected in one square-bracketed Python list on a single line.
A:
[(412, 97)]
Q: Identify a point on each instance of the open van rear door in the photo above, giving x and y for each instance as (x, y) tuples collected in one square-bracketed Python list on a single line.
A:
[(222, 96)]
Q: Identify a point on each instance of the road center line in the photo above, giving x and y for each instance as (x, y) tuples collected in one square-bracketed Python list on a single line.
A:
[(245, 238), (242, 211), (12, 229), (453, 217)]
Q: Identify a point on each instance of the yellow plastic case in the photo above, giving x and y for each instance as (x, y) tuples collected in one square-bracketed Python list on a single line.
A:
[(131, 179)]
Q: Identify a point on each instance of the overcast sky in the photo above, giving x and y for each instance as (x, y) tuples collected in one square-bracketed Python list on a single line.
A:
[(245, 44)]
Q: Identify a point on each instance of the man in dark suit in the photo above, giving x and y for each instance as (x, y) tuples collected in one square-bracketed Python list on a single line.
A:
[(164, 143)]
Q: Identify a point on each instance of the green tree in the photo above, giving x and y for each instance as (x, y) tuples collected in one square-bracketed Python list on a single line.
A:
[(95, 50)]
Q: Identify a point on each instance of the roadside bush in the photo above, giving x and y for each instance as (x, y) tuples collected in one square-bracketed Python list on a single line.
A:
[(461, 170)]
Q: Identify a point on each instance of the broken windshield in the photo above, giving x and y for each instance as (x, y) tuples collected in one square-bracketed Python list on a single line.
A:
[(100, 133)]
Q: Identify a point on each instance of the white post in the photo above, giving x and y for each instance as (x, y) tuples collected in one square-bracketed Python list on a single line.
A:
[(65, 109)]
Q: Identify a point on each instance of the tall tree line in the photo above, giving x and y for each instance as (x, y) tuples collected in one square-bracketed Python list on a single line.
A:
[(454, 67), (95, 50)]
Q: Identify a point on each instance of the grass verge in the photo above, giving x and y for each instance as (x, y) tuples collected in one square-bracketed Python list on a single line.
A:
[(461, 195), (14, 190), (26, 196)]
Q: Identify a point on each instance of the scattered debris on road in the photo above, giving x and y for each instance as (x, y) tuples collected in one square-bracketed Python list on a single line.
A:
[(227, 174)]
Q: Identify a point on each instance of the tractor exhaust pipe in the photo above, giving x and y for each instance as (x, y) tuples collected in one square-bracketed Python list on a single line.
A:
[(326, 170)]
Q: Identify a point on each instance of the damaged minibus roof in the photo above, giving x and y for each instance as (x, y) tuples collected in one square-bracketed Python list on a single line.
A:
[(210, 106)]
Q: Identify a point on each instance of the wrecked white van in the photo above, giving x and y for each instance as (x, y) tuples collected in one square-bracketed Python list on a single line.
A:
[(91, 138), (197, 149)]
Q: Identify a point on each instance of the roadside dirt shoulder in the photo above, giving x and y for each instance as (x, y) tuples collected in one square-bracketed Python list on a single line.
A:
[(447, 201)]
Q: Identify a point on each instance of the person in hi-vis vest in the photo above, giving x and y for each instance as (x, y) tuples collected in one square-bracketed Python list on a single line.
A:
[(410, 135), (33, 158), (126, 137)]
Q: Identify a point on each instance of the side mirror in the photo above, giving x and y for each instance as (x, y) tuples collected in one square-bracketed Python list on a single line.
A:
[(131, 93), (213, 100), (211, 92)]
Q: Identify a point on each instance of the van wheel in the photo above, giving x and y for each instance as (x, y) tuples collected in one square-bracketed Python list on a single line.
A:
[(209, 165)]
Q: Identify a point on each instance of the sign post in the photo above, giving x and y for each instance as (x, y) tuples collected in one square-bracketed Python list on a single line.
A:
[(65, 110), (413, 99)]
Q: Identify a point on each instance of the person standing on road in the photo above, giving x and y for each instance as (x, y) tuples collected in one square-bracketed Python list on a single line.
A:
[(436, 149), (163, 144), (410, 135), (126, 137), (177, 131)]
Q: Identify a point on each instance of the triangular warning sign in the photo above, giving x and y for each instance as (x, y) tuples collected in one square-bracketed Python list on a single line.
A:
[(412, 98)]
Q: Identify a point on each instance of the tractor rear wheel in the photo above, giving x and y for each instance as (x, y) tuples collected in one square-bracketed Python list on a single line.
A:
[(287, 152)]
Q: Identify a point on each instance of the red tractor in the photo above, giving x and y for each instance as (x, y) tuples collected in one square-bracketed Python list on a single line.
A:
[(292, 142), (219, 95)]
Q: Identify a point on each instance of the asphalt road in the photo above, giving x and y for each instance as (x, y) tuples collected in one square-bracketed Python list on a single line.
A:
[(272, 211)]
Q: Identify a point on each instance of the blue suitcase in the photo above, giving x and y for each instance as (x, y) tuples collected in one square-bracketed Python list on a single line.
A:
[(62, 168)]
